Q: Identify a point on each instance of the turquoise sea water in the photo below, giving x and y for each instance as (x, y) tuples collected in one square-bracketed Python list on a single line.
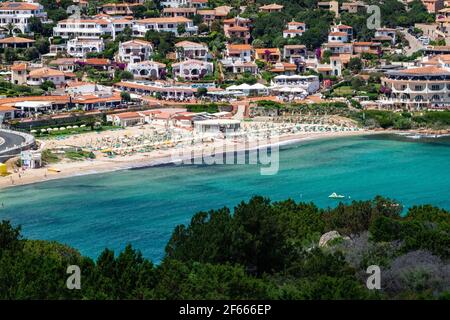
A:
[(142, 206)]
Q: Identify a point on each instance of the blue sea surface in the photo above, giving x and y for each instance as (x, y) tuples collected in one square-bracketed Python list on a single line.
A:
[(142, 206)]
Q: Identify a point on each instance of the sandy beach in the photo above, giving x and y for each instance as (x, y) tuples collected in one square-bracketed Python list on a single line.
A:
[(156, 157)]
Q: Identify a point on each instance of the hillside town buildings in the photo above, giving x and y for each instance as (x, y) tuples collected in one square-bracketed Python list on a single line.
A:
[(187, 51)]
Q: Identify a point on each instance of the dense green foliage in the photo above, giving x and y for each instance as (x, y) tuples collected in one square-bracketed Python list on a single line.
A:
[(404, 120), (13, 90), (210, 108), (263, 250)]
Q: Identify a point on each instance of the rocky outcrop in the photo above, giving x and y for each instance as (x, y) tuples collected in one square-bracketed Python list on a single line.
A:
[(328, 237)]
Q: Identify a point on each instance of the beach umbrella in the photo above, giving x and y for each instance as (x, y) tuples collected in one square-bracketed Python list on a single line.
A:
[(49, 129), (62, 128), (74, 127), (33, 131)]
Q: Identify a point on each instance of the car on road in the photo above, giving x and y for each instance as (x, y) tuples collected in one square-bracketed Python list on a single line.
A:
[(424, 40)]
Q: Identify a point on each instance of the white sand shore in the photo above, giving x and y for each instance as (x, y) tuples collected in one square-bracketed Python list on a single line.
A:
[(156, 157)]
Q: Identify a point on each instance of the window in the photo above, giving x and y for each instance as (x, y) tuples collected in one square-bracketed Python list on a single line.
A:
[(436, 98), (435, 87)]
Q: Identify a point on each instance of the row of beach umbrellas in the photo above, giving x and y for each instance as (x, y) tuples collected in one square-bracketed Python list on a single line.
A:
[(58, 129)]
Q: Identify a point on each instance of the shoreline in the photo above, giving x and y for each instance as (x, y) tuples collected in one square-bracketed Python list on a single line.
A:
[(160, 158)]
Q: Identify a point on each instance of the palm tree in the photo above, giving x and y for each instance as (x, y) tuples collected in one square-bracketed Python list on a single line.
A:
[(10, 28)]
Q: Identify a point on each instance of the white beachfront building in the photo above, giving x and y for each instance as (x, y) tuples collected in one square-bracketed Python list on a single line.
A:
[(18, 14), (150, 70), (283, 83), (215, 127), (167, 24), (418, 87), (192, 69), (91, 28), (135, 51), (191, 50), (79, 47)]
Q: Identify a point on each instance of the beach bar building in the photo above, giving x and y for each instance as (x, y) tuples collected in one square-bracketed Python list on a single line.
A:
[(214, 127), (31, 159)]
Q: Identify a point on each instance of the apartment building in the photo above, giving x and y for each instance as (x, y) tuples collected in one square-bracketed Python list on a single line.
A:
[(293, 53), (179, 12), (123, 9), (366, 47), (417, 88), (386, 34), (92, 27), (336, 36), (339, 47), (150, 70), (243, 52), (239, 59), (134, 51), (19, 14), (80, 47), (272, 55), (167, 24), (199, 4), (191, 50), (192, 69), (175, 3), (218, 13), (39, 76), (345, 29), (237, 28)]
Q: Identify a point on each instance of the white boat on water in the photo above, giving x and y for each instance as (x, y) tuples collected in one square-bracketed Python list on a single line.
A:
[(334, 195)]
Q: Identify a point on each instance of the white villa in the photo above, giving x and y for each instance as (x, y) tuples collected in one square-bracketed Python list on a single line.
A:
[(192, 69), (294, 29), (91, 28), (242, 52), (79, 47), (19, 13), (39, 76), (150, 70), (64, 64), (191, 50), (168, 24), (337, 36), (345, 29), (239, 59), (135, 51), (175, 3), (294, 52), (339, 47), (383, 34)]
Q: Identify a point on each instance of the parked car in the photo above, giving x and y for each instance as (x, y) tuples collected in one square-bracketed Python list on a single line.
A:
[(424, 40)]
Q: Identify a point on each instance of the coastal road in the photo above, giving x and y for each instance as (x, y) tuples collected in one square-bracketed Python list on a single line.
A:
[(414, 44), (9, 140)]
